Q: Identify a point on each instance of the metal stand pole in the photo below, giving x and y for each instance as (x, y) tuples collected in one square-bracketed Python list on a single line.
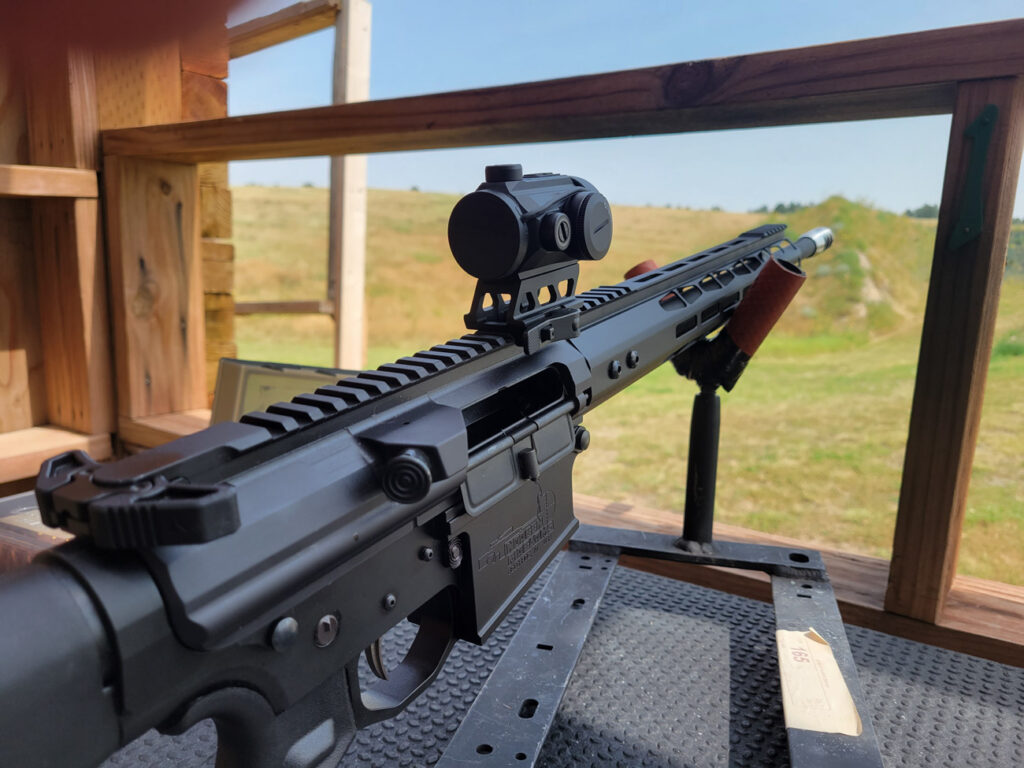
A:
[(702, 467)]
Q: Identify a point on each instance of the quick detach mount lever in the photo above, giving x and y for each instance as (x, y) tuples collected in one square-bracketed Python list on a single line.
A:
[(522, 237)]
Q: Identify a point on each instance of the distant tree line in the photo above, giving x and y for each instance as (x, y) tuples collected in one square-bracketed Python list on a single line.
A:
[(1014, 249), (782, 208)]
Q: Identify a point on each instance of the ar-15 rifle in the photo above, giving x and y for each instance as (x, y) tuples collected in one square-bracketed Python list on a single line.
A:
[(239, 573)]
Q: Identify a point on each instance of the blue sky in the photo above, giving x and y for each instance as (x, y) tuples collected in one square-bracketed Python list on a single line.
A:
[(441, 45)]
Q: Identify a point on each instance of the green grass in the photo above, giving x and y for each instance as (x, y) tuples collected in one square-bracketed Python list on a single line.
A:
[(813, 436)]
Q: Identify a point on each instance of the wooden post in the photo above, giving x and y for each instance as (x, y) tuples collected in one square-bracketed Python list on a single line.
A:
[(956, 343), (156, 277), (204, 96), (153, 224), (346, 272), (71, 275)]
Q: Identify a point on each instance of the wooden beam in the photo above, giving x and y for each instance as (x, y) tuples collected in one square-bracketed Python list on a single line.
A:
[(896, 76), (72, 289), (215, 212), (203, 97), (13, 125), (213, 250), (22, 380), (156, 281), (346, 249), (139, 87), (61, 104), (956, 343), (280, 27), (46, 181), (213, 175), (22, 452), (71, 278), (220, 323), (220, 332), (988, 620), (218, 276), (314, 307), (205, 51)]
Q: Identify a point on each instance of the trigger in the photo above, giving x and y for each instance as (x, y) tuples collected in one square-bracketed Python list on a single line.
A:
[(375, 660)]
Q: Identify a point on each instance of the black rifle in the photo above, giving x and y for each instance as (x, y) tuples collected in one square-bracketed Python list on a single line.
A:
[(239, 573)]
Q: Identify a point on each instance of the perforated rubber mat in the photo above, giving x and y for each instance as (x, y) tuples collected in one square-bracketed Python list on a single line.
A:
[(678, 675)]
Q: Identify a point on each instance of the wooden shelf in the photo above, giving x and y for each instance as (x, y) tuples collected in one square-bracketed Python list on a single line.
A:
[(149, 431), (22, 451), (982, 618), (47, 181)]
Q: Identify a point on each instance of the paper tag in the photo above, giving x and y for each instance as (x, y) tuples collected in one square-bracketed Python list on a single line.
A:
[(814, 693)]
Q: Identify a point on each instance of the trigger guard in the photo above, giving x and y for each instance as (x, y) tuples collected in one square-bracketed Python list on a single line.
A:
[(421, 665), (313, 732)]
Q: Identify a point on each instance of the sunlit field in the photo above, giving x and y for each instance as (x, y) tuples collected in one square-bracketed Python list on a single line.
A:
[(813, 436)]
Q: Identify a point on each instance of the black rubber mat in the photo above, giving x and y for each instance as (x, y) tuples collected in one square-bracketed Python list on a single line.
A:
[(678, 675)]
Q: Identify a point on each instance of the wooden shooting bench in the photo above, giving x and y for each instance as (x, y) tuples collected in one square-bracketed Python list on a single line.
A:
[(112, 337)]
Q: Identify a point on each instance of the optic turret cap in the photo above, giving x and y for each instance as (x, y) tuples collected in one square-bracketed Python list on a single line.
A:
[(591, 225), (510, 172)]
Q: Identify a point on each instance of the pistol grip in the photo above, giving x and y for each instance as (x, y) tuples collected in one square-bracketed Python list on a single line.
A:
[(312, 733), (422, 663)]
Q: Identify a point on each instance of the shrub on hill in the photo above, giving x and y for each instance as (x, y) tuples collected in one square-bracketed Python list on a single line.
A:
[(924, 212), (873, 281)]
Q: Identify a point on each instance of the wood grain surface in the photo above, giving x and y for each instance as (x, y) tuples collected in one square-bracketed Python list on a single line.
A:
[(46, 181), (22, 383), (205, 51), (956, 343), (346, 237), (280, 27), (139, 87), (156, 279), (71, 278), (202, 97), (23, 451), (150, 431), (895, 76)]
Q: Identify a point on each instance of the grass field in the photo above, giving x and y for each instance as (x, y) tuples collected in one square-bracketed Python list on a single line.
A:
[(813, 436)]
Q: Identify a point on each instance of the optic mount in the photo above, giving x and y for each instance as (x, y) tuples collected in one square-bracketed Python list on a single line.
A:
[(523, 237)]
